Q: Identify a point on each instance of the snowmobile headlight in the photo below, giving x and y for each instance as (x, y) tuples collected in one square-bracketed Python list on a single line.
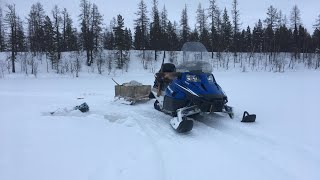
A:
[(192, 78), (210, 79)]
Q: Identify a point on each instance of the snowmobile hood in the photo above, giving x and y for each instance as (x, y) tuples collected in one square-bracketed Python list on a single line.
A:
[(202, 85)]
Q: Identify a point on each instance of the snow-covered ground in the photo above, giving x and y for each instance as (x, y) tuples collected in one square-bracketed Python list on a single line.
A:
[(118, 141)]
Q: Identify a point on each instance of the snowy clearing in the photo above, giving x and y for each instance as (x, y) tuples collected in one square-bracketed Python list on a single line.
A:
[(117, 141)]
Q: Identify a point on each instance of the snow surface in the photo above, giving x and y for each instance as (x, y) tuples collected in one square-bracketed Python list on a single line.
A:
[(118, 141)]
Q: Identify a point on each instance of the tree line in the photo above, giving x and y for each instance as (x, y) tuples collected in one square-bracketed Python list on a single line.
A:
[(52, 33)]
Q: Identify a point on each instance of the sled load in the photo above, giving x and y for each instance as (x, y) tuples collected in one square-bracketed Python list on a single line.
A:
[(132, 92), (190, 88)]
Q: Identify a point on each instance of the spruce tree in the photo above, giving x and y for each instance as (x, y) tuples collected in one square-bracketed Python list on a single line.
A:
[(138, 36), (141, 27), (120, 44), (155, 29), (12, 21), (295, 17), (226, 30), (35, 28), (317, 24), (185, 29), (214, 23), (164, 29), (108, 39), (2, 32), (236, 25), (248, 40), (172, 37), (257, 37)]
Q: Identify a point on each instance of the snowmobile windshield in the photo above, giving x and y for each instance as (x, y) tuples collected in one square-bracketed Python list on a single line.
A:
[(195, 66), (195, 56)]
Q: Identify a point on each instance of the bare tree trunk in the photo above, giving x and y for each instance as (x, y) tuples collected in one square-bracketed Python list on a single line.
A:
[(13, 57), (88, 57)]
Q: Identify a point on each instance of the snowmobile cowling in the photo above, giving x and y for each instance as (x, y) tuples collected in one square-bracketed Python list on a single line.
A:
[(190, 88)]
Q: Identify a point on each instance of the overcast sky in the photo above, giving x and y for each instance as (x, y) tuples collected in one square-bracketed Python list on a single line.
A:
[(250, 10)]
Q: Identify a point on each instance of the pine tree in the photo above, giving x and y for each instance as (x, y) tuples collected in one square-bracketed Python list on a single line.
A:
[(257, 37), (248, 40), (185, 29), (96, 27), (283, 38), (316, 39), (194, 35), (272, 22), (86, 35), (295, 17), (48, 37), (317, 24), (303, 36), (226, 30), (164, 19), (141, 27), (69, 33), (236, 25), (316, 45), (155, 29), (272, 18), (201, 22), (120, 43), (164, 29), (35, 28), (138, 36), (11, 20), (295, 42), (21, 43), (108, 42), (243, 44), (214, 14), (202, 28), (2, 30), (172, 37), (119, 34), (57, 35), (269, 39), (128, 39)]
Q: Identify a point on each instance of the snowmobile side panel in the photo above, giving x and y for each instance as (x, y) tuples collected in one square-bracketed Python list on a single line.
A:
[(172, 104)]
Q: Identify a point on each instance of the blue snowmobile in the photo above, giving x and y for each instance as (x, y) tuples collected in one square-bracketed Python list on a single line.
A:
[(190, 89)]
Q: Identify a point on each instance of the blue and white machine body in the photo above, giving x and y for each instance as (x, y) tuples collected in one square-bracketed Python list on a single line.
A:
[(187, 89)]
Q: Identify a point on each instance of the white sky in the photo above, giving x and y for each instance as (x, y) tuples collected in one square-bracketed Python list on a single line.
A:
[(250, 10)]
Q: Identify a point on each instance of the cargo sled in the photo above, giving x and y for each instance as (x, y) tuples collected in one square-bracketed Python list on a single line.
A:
[(132, 92)]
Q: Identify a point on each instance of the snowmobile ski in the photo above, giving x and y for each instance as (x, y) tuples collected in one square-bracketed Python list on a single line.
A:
[(247, 118)]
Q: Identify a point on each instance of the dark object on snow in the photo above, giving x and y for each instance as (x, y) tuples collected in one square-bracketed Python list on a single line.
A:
[(83, 107), (248, 117)]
